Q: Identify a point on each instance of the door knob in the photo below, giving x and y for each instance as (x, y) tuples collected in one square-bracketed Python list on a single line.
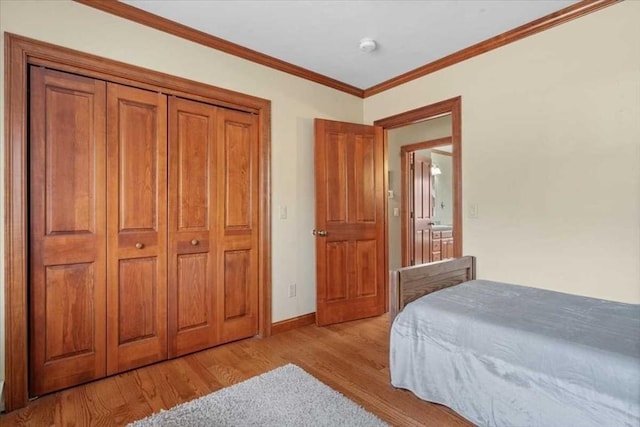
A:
[(139, 245), (194, 242), (321, 233)]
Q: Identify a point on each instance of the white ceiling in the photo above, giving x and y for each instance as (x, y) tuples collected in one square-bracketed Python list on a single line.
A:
[(323, 36)]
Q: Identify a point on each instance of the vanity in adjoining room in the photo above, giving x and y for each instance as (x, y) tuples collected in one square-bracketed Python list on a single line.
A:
[(441, 242)]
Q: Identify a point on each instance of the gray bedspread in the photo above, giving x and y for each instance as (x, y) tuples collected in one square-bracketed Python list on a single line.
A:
[(508, 355)]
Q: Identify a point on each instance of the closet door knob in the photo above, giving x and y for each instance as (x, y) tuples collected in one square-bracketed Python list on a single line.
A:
[(194, 242), (139, 245)]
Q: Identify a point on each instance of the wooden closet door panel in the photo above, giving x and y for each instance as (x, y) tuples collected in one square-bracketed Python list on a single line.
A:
[(192, 226), (136, 229), (237, 258), (67, 230)]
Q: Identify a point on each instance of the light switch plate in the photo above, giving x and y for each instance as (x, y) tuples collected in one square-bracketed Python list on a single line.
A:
[(473, 210)]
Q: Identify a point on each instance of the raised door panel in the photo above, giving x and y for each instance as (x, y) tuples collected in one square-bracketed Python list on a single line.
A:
[(336, 271), (239, 146), (67, 253), (137, 224), (138, 299), (365, 186), (336, 184), (236, 284), (350, 205), (366, 254), (237, 236), (69, 289), (192, 226), (193, 293)]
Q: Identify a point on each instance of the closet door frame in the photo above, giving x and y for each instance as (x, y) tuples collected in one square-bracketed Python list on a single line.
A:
[(20, 52)]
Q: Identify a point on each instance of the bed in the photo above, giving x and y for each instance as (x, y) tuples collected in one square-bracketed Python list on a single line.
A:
[(508, 355)]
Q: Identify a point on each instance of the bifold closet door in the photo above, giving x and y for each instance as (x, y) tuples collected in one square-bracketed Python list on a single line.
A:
[(67, 252), (192, 226), (238, 216), (143, 231), (136, 227), (213, 226)]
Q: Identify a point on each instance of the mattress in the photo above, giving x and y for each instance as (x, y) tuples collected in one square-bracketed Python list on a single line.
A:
[(502, 354)]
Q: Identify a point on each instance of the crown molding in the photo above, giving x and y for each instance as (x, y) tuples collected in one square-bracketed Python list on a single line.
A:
[(140, 16), (553, 19)]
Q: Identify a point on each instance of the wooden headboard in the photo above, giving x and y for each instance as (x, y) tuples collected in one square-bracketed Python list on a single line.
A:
[(410, 283)]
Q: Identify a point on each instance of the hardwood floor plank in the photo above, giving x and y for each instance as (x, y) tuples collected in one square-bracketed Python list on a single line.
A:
[(352, 358)]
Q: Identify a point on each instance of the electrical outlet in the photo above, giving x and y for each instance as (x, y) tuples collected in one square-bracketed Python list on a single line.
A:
[(292, 290)]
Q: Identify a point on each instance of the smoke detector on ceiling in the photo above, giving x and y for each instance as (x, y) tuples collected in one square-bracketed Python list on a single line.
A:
[(368, 45)]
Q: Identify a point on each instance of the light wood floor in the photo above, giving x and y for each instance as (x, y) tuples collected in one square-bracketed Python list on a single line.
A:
[(351, 358)]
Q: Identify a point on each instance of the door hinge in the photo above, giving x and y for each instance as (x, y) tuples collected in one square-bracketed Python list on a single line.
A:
[(411, 214)]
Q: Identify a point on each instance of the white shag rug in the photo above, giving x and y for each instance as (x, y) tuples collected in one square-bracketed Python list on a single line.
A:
[(286, 396)]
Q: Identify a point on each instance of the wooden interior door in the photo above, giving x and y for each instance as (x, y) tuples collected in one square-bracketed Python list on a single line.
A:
[(238, 219), (422, 208), (193, 219), (136, 227), (350, 221), (67, 230)]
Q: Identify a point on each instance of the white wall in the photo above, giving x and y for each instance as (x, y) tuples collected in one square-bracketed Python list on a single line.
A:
[(295, 102), (396, 138), (550, 153)]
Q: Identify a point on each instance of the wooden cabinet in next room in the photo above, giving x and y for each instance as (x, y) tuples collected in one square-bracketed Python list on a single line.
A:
[(441, 244)]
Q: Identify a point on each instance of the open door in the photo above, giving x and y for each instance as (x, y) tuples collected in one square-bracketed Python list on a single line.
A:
[(350, 222), (422, 209)]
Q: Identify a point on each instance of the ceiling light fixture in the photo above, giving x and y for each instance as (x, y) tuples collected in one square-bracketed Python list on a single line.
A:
[(368, 45)]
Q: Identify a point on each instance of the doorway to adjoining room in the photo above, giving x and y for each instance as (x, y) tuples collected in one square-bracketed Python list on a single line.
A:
[(424, 184)]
